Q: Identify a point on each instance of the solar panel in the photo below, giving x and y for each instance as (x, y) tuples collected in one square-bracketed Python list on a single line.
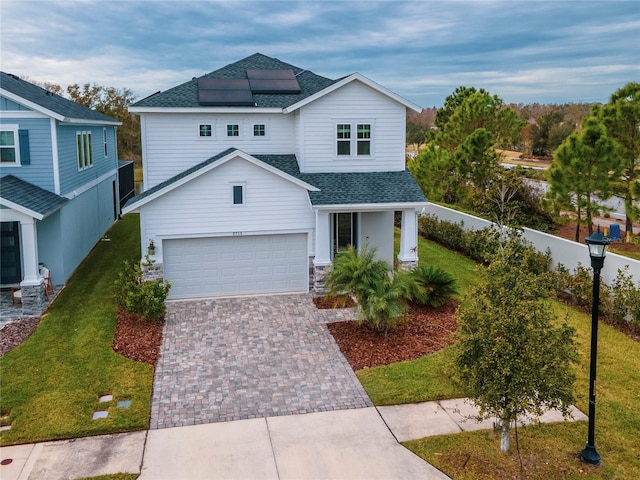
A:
[(273, 81), (224, 92)]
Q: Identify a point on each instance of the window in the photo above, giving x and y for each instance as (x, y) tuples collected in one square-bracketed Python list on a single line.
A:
[(9, 150), (205, 130), (344, 139), (238, 195), (364, 139), (104, 139), (259, 130), (84, 150), (233, 130)]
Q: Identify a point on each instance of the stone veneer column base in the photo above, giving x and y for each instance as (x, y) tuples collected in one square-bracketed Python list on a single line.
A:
[(407, 265), (319, 272), (33, 300), (152, 272)]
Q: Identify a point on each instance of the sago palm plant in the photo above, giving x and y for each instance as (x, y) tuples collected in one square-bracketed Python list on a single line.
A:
[(432, 286)]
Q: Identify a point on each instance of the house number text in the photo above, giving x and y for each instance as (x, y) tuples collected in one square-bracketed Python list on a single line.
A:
[(237, 234)]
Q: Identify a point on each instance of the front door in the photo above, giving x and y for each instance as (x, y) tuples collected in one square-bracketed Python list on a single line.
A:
[(10, 269), (344, 231)]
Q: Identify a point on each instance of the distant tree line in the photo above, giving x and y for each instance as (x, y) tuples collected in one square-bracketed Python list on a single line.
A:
[(595, 151)]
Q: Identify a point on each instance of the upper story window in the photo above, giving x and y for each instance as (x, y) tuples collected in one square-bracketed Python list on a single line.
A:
[(84, 150), (344, 138), (104, 140), (349, 145), (364, 139), (259, 130), (9, 147), (205, 130), (233, 130)]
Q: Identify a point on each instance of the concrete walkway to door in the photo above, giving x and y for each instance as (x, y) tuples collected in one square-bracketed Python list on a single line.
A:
[(251, 357)]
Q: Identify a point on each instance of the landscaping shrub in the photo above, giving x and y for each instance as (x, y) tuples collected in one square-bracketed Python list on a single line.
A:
[(380, 293), (136, 295), (431, 286), (625, 308)]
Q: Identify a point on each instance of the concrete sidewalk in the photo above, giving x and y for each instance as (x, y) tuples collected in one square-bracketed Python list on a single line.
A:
[(350, 444)]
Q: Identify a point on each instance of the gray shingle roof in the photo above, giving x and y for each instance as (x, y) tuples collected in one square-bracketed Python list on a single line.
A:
[(335, 188), (186, 94), (30, 196), (50, 101)]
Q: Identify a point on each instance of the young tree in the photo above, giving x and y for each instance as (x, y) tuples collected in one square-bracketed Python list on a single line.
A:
[(621, 116), (510, 357), (583, 170)]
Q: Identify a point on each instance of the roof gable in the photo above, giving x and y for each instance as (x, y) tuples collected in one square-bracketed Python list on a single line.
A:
[(43, 101), (208, 165), (29, 199)]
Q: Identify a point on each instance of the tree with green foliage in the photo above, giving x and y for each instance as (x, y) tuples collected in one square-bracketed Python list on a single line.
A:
[(476, 159), (510, 357), (583, 170), (549, 131), (437, 174), (621, 116), (379, 291)]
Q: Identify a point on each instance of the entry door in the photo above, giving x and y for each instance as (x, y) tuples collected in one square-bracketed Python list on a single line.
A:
[(344, 231), (11, 271)]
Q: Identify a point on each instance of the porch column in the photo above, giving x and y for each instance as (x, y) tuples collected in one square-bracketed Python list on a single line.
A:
[(408, 255), (32, 286), (322, 260), (29, 241)]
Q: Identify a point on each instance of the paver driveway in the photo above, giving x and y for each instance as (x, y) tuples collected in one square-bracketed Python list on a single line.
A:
[(236, 358)]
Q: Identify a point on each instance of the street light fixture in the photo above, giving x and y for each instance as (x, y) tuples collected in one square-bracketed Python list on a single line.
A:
[(597, 244)]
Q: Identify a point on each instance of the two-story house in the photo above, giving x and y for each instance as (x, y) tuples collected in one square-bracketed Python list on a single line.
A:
[(58, 185), (257, 174)]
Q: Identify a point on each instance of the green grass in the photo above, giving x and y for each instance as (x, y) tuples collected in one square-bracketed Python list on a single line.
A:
[(51, 383), (549, 451), (114, 476)]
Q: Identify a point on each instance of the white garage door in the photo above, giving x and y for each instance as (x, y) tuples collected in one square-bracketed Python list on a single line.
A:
[(218, 266)]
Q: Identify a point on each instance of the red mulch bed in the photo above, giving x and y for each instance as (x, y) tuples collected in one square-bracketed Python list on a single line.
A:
[(14, 333), (334, 301), (426, 330), (138, 339)]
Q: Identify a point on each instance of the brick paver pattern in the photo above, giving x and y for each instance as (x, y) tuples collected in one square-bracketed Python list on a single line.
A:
[(237, 358)]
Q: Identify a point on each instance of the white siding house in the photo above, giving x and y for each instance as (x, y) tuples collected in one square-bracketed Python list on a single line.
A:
[(251, 192)]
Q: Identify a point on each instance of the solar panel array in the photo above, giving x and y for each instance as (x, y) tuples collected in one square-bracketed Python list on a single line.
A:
[(239, 91), (273, 81), (224, 92)]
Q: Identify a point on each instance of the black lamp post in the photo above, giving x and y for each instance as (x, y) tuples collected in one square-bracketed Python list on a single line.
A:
[(597, 244)]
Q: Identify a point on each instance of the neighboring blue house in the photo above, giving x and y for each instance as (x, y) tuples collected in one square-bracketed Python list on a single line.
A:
[(58, 185)]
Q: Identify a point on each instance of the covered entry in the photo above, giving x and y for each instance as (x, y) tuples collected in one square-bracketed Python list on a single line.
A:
[(222, 266)]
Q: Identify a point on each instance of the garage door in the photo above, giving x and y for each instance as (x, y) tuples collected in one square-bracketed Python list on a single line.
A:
[(219, 266)]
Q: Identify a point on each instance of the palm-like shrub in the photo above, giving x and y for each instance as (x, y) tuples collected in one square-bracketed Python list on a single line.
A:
[(380, 293), (431, 286)]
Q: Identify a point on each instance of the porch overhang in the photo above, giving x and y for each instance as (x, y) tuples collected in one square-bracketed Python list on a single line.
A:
[(371, 207)]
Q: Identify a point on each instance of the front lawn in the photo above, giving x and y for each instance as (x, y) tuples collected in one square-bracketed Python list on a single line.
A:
[(52, 382), (549, 451)]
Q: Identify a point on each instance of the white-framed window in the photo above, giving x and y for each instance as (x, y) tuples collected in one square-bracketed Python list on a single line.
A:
[(343, 135), (237, 194), (353, 139), (205, 130), (106, 144), (9, 145), (233, 130), (259, 130), (84, 150)]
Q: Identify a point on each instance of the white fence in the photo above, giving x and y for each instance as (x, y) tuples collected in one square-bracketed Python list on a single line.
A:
[(566, 252)]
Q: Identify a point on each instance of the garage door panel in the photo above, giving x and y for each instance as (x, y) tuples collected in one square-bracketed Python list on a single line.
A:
[(217, 266)]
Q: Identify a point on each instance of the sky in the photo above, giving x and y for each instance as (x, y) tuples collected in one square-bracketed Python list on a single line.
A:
[(523, 51)]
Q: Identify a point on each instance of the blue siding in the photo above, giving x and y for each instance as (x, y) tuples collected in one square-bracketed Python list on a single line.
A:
[(70, 177), (66, 237), (10, 105), (40, 171)]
